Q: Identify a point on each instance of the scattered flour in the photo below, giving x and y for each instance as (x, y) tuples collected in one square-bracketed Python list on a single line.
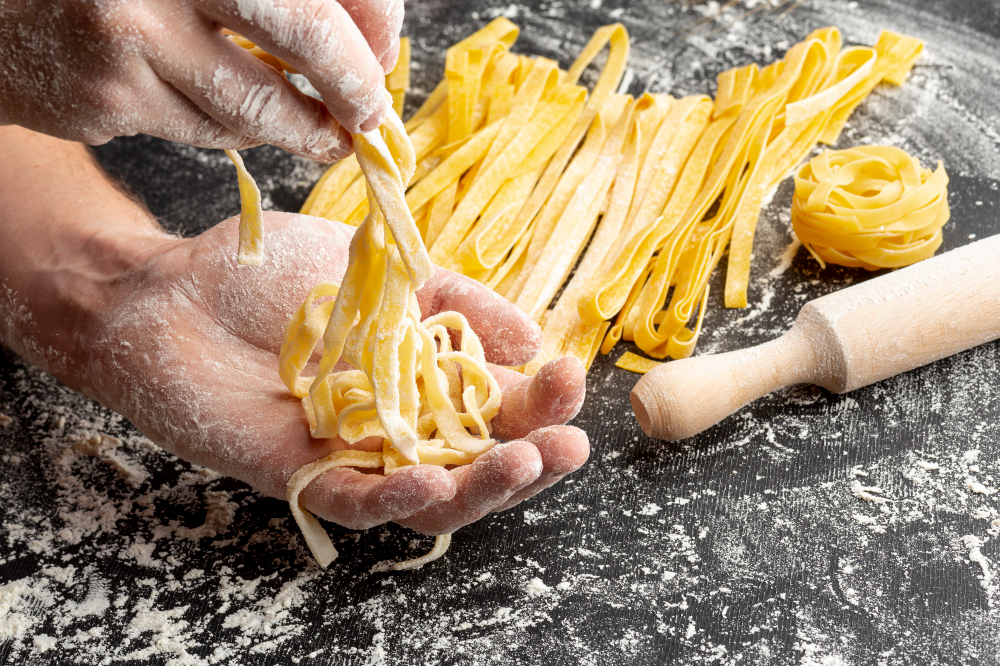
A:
[(120, 552)]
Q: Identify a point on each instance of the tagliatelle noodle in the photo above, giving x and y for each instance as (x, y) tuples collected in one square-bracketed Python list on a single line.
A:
[(871, 207), (562, 323), (557, 183), (335, 181), (465, 65), (490, 178), (635, 363), (397, 82), (251, 244), (577, 220), (785, 149), (666, 155), (896, 57), (405, 386), (619, 285)]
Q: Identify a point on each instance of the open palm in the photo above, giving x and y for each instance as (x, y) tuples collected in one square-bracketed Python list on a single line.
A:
[(188, 350)]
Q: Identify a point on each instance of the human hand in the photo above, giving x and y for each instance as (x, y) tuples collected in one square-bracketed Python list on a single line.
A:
[(187, 349), (89, 71)]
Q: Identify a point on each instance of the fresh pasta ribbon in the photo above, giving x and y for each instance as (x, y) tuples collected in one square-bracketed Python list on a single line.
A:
[(601, 216), (405, 385), (251, 244), (635, 363), (316, 537), (871, 207), (397, 82)]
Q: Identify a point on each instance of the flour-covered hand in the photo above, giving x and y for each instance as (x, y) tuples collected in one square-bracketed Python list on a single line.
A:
[(188, 351), (90, 71)]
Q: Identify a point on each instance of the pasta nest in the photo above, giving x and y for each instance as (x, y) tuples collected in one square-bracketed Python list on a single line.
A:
[(871, 207)]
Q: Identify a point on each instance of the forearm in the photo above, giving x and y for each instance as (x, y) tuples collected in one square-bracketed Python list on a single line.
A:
[(67, 235)]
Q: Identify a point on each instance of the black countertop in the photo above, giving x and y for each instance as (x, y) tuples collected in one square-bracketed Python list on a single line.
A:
[(751, 543)]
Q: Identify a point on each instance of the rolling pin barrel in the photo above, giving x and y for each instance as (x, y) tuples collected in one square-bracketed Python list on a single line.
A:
[(843, 341)]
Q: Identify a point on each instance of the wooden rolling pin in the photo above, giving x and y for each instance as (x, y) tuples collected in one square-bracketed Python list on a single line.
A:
[(842, 341)]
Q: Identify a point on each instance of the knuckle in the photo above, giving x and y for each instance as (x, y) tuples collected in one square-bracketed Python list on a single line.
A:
[(206, 132), (317, 27), (257, 105), (115, 23), (111, 99)]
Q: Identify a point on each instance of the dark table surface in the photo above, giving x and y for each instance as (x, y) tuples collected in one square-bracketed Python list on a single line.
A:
[(751, 543)]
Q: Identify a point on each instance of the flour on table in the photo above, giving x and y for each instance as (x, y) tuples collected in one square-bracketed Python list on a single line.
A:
[(651, 544)]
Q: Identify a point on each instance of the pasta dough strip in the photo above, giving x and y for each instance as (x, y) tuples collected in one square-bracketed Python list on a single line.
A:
[(397, 82), (403, 388), (575, 224), (563, 331), (316, 537), (441, 543), (492, 178), (251, 247), (616, 38)]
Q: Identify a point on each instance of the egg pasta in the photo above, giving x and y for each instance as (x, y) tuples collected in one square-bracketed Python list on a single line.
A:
[(871, 207), (602, 216)]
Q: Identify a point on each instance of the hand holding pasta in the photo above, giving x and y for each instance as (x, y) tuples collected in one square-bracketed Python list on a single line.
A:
[(198, 378), (175, 336), (89, 71)]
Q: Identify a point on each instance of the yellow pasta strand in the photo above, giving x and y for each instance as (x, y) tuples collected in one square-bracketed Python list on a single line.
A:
[(870, 207), (251, 248), (316, 537), (404, 378), (397, 82), (635, 363)]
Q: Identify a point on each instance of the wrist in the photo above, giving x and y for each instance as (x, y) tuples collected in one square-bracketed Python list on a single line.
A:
[(68, 239), (59, 290)]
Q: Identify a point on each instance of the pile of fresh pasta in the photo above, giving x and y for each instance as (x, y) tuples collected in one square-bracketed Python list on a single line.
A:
[(601, 215), (404, 383)]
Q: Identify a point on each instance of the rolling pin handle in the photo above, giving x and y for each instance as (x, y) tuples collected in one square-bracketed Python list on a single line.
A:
[(681, 398)]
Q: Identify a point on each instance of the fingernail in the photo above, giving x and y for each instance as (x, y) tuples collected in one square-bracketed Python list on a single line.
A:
[(389, 58), (374, 105), (328, 143), (373, 121)]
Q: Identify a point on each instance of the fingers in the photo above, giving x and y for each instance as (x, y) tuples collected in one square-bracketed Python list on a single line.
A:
[(508, 335), (253, 99), (321, 40), (174, 117), (564, 449), (481, 487), (380, 22), (359, 501), (433, 500), (551, 397)]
